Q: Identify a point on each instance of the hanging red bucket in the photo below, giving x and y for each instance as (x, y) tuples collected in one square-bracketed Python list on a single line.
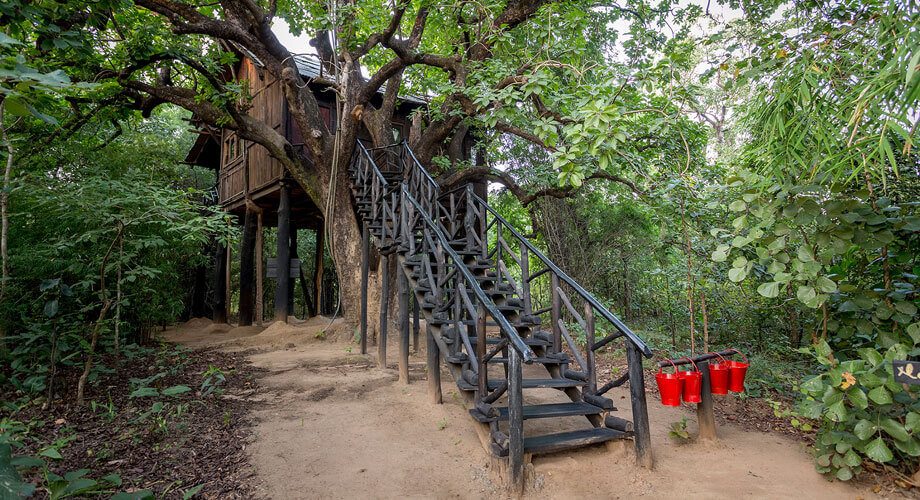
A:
[(719, 375), (736, 372), (693, 380), (670, 386)]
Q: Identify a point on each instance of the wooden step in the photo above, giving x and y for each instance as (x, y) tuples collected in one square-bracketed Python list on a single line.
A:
[(527, 340), (553, 410), (545, 361), (527, 383), (552, 443)]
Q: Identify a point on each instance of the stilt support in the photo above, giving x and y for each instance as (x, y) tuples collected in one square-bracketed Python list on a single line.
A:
[(402, 289), (384, 305), (283, 280), (642, 437), (434, 368)]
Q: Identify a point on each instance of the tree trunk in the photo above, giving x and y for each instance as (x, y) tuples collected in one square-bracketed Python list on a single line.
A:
[(4, 208), (247, 268)]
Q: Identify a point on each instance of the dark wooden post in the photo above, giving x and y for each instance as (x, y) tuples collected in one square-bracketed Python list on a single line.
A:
[(247, 268), (589, 348), (283, 267), (555, 314), (402, 291), (220, 283), (294, 255), (260, 306), (384, 305), (483, 369), (642, 436), (434, 367), (415, 324), (365, 255), (515, 421), (704, 411), (318, 273)]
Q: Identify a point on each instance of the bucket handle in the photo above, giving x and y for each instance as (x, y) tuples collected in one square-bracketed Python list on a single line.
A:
[(742, 355), (721, 359), (672, 364), (694, 364)]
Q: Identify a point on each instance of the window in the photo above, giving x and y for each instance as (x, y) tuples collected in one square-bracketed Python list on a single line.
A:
[(233, 148)]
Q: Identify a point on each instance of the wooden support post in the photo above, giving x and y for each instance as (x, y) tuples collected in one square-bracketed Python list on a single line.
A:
[(415, 323), (220, 284), (260, 306), (318, 273), (384, 305), (365, 256), (515, 421), (556, 313), (483, 369), (402, 292), (589, 348), (283, 280), (704, 411), (228, 265), (434, 367), (642, 436), (247, 268), (293, 251)]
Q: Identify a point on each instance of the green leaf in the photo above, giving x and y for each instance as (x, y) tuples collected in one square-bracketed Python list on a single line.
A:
[(737, 274), (864, 429), (878, 451), (912, 421), (51, 453), (804, 254), (844, 473), (805, 293), (851, 458), (837, 412), (11, 484), (895, 429), (880, 395), (145, 392), (192, 492), (826, 285), (858, 398), (176, 389), (769, 290), (737, 206)]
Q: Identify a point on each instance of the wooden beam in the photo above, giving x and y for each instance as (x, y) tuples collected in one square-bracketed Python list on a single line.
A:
[(642, 436), (402, 290), (247, 271), (220, 284), (384, 299), (434, 367), (293, 252), (283, 279)]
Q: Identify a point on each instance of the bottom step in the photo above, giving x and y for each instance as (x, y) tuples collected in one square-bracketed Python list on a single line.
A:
[(551, 443)]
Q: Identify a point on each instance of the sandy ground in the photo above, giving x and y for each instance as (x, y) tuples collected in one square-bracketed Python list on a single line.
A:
[(333, 425)]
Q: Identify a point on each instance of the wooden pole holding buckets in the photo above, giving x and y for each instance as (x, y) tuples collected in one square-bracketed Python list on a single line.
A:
[(697, 385)]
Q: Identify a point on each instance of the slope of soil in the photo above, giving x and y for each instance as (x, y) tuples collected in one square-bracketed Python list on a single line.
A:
[(331, 424)]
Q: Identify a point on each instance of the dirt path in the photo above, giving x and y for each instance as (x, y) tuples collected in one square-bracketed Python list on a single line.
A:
[(333, 425)]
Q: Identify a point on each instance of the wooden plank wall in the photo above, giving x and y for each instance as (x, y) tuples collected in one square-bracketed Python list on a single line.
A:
[(254, 168)]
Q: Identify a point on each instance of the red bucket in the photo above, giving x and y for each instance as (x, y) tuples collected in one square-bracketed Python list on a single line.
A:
[(670, 386), (736, 372), (693, 380), (719, 376)]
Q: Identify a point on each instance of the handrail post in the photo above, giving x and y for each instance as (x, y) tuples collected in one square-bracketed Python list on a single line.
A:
[(555, 316), (589, 349), (525, 280), (403, 292), (384, 298), (515, 420), (481, 352), (642, 436)]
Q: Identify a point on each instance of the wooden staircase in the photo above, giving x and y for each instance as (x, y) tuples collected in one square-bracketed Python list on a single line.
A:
[(469, 271)]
